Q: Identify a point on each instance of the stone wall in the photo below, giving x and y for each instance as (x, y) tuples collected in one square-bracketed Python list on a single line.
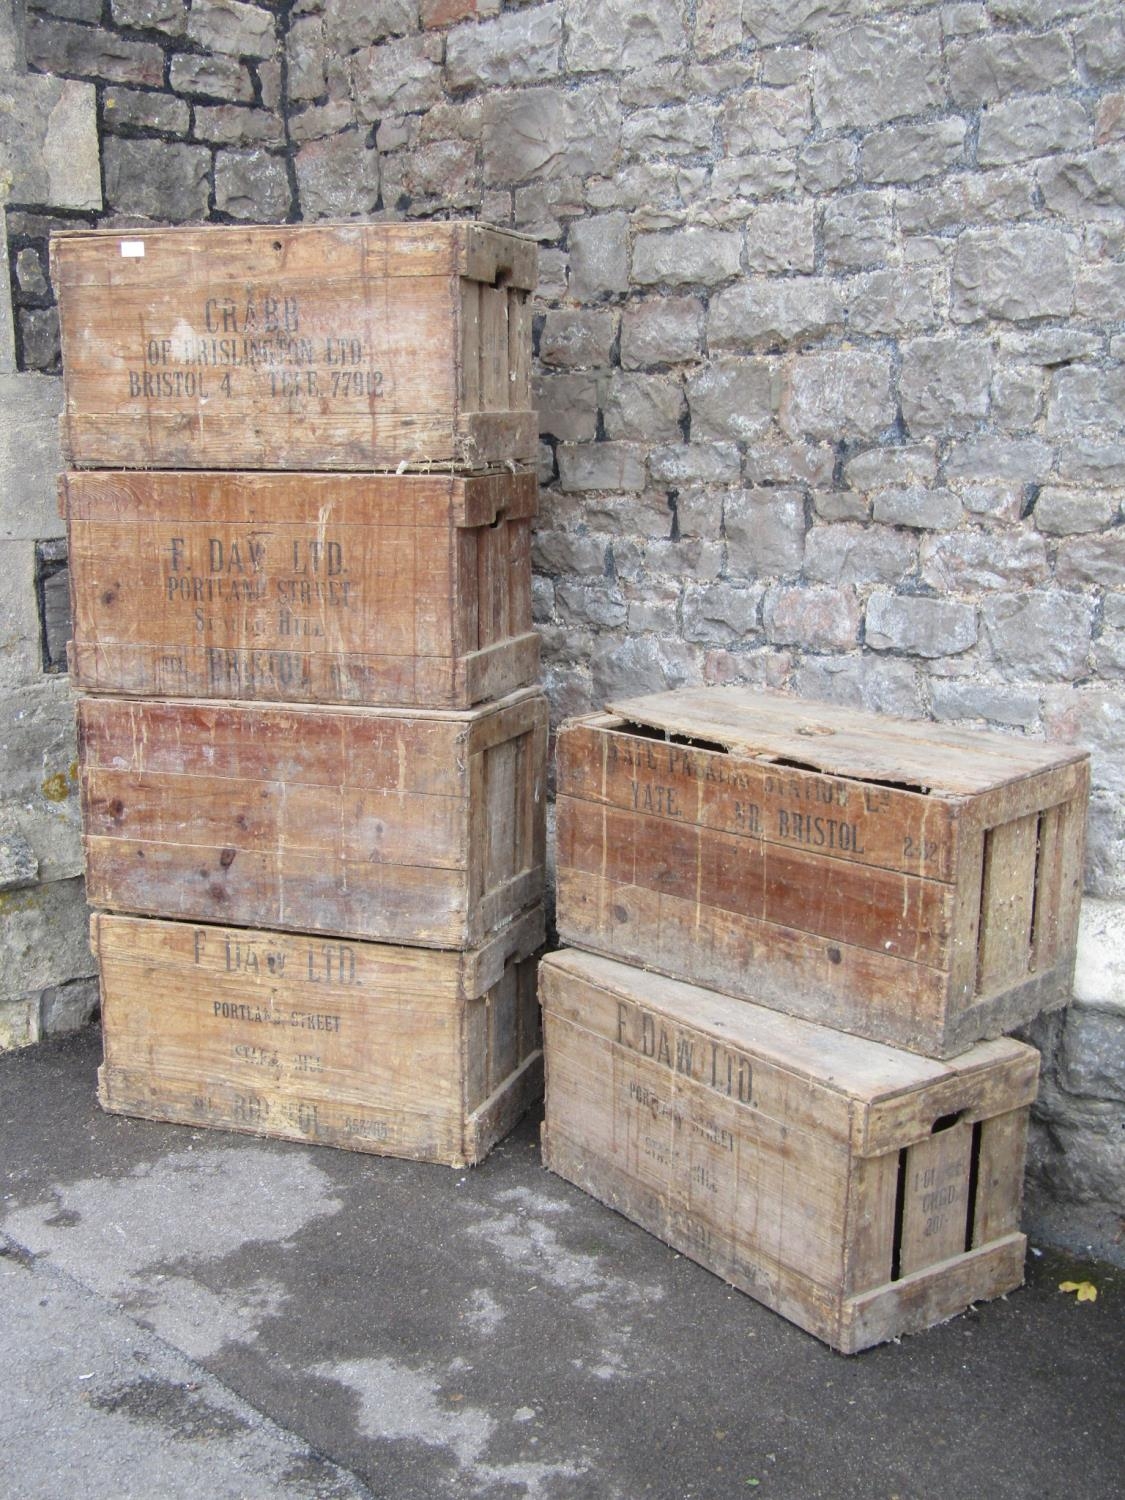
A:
[(829, 342)]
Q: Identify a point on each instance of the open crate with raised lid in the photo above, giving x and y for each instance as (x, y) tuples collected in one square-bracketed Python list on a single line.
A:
[(910, 882)]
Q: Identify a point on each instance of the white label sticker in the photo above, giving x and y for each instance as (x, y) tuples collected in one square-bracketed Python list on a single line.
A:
[(133, 249)]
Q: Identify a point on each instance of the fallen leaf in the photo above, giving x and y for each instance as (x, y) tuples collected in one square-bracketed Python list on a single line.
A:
[(1084, 1291)]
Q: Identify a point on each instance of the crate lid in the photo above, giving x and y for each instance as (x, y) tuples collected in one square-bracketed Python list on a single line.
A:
[(915, 754), (866, 1071)]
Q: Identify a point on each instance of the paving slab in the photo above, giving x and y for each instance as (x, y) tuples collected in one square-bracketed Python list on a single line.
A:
[(418, 1333)]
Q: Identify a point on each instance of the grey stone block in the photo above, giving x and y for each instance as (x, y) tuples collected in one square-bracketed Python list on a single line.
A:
[(232, 28), (19, 867), (1085, 397), (146, 110), (722, 614), (599, 255), (568, 407), (644, 407), (842, 554), (971, 562), (1062, 511), (168, 16), (686, 257), (397, 76), (64, 1008), (518, 47), (640, 664), (29, 457), (988, 69), (969, 197), (733, 398), (600, 605), (562, 552), (910, 153), (601, 466), (305, 50), (44, 938), (817, 619), (836, 395), (917, 507), (39, 337), (661, 330), (1100, 290), (201, 77), (618, 35), (49, 148), (1099, 41), (1042, 635), (824, 166), (1015, 274), (1021, 460), (880, 468), (780, 238), (1090, 459), (765, 313), (775, 461), (60, 48), (252, 186), (766, 120), (944, 385), (893, 303), (235, 125), (1019, 129), (988, 703), (858, 231), (840, 505), (1098, 559), (765, 532), (351, 24), (887, 685), (549, 132), (876, 71), (1093, 1054), (338, 177), (918, 626), (680, 464), (155, 180), (740, 182), (676, 130), (572, 338)]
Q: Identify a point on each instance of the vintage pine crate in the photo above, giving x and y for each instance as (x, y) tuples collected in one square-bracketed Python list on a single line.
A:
[(905, 881), (861, 1191), (377, 589), (315, 346), (393, 826), (394, 1050)]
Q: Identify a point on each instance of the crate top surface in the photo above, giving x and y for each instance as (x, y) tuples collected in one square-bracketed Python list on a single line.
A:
[(869, 1072), (191, 253), (198, 711), (915, 755)]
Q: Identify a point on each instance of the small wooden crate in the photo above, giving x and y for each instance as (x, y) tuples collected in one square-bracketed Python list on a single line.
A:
[(905, 881), (860, 1191), (378, 1048), (424, 828), (316, 346), (302, 588)]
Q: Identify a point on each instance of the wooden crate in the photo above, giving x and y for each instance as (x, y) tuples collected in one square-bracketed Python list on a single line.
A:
[(378, 1048), (417, 828), (860, 1191), (315, 346), (905, 881), (308, 588)]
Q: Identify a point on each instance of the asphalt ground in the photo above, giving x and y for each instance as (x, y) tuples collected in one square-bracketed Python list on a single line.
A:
[(188, 1313)]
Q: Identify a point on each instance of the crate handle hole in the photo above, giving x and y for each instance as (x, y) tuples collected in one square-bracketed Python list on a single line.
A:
[(945, 1122)]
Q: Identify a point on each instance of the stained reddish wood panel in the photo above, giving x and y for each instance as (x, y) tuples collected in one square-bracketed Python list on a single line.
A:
[(411, 590), (341, 346), (861, 1191), (399, 1051), (907, 882), (417, 828)]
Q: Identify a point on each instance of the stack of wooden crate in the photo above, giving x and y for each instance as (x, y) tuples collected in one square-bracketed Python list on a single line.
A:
[(836, 1123), (312, 750)]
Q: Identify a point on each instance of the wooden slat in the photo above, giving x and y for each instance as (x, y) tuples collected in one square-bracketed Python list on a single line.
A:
[(1007, 904), (1003, 1147), (494, 384), (328, 1042), (936, 1199)]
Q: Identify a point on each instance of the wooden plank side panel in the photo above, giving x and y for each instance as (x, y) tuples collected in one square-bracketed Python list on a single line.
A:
[(327, 347), (293, 1036), (1000, 1168), (898, 830), (494, 384), (936, 1198), (316, 821), (1007, 904)]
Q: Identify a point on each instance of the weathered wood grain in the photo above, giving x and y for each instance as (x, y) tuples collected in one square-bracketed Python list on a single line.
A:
[(738, 1135), (321, 346), (366, 823), (393, 1050), (383, 590), (902, 881)]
